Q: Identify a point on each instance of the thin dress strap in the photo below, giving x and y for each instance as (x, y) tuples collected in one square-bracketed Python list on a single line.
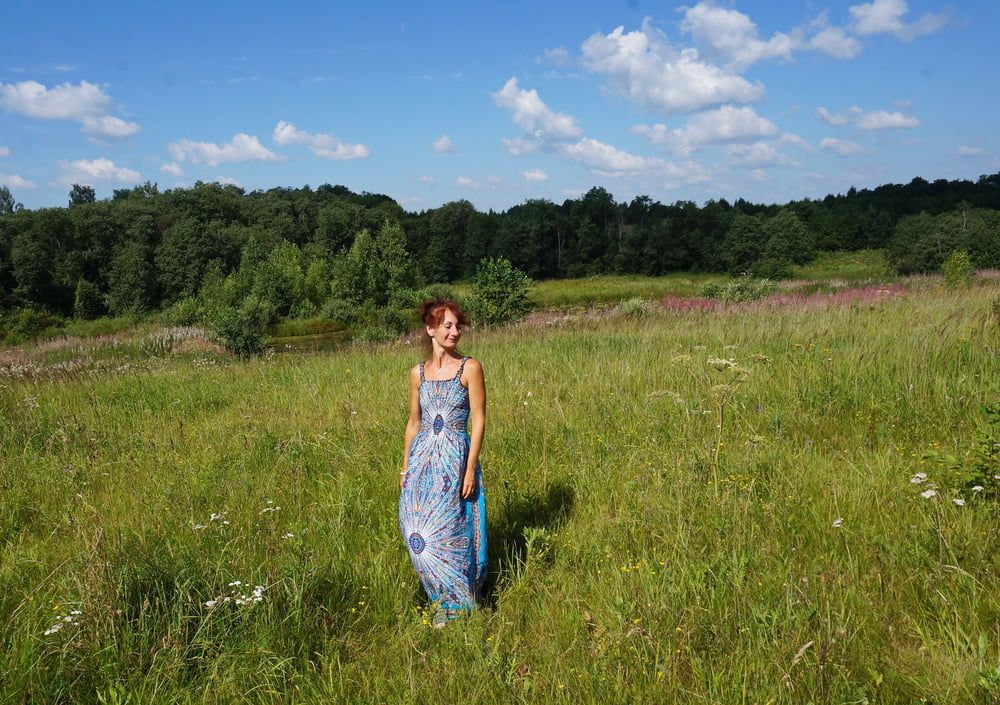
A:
[(458, 375)]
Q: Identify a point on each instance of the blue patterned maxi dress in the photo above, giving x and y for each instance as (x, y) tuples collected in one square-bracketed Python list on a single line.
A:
[(445, 534)]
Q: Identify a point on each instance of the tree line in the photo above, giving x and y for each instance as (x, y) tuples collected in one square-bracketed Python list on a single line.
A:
[(326, 251)]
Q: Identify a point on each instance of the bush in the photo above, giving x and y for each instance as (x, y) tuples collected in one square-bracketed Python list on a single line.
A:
[(742, 288), (499, 293), (242, 329), (185, 312), (633, 308), (26, 324), (771, 268), (957, 269), (87, 302)]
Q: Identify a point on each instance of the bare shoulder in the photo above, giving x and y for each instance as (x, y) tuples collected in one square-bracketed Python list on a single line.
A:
[(473, 369)]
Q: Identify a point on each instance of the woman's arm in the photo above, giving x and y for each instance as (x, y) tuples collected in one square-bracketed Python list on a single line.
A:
[(477, 422), (413, 421)]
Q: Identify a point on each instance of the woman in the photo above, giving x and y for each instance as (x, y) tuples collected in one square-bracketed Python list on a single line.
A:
[(442, 510)]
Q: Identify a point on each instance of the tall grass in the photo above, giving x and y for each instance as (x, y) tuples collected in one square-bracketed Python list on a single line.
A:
[(639, 552)]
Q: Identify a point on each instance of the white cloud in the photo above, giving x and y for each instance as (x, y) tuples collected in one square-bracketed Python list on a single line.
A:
[(109, 127), (535, 175), (172, 168), (965, 151), (837, 119), (886, 17), (322, 145), (643, 67), (532, 114), (443, 145), (85, 103), (63, 102), (791, 138), (874, 120), (4, 152), (733, 37), (758, 154), (724, 125), (15, 181), (842, 148), (519, 146), (89, 171), (489, 182), (883, 120), (606, 158), (835, 42), (228, 181), (241, 148), (555, 57)]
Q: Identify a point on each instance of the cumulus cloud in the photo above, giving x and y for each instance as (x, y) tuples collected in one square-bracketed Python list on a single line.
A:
[(63, 102), (758, 154), (791, 138), (607, 158), (4, 152), (519, 146), (733, 37), (443, 145), (533, 115), (842, 148), (887, 17), (322, 145), (241, 148), (555, 57), (723, 125), (85, 103), (172, 168), (535, 175), (16, 181), (90, 171), (490, 182), (883, 120), (109, 127), (645, 68), (835, 42), (965, 151), (874, 120)]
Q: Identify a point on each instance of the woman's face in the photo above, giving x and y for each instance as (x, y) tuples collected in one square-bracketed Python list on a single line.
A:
[(448, 333)]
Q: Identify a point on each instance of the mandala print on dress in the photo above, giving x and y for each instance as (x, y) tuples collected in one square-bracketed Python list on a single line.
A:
[(445, 534)]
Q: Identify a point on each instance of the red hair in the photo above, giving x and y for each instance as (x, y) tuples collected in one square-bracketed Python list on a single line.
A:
[(432, 312)]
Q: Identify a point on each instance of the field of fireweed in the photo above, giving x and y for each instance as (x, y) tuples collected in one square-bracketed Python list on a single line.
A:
[(784, 502)]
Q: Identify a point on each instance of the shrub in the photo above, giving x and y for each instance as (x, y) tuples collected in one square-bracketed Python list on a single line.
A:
[(499, 293), (742, 288), (242, 329), (957, 269), (633, 308), (26, 324), (87, 302)]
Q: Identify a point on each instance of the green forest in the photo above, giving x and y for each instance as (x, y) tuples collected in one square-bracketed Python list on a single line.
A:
[(342, 256)]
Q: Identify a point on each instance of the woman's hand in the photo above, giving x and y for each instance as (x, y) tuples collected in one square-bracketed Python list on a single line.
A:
[(469, 484)]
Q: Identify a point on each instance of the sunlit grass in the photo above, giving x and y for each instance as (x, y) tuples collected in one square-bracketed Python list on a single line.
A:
[(638, 552)]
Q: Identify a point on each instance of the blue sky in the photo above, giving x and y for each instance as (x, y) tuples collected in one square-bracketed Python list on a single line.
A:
[(499, 102)]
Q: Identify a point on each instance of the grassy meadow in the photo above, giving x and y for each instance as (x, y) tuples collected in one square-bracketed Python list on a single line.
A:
[(684, 507)]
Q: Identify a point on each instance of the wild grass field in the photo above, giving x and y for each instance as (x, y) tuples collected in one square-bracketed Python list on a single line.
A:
[(753, 504)]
